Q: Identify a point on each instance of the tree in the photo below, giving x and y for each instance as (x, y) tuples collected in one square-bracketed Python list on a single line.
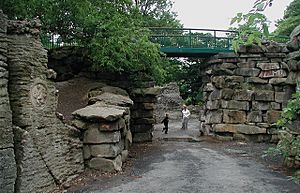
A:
[(291, 19), (113, 32), (157, 13)]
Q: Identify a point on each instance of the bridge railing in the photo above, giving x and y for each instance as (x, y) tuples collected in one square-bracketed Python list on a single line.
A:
[(192, 38)]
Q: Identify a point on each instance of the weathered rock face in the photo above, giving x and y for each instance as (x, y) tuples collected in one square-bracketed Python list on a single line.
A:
[(293, 129), (106, 128), (142, 113), (168, 101), (8, 168), (47, 152), (248, 90)]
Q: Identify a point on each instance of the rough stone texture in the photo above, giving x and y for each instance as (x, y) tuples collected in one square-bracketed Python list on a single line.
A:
[(244, 95), (8, 168), (94, 136), (169, 100), (106, 165), (106, 128), (48, 153), (99, 112), (144, 109), (113, 99)]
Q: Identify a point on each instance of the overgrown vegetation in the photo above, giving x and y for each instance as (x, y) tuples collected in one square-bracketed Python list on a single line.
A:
[(253, 28), (112, 31), (291, 19)]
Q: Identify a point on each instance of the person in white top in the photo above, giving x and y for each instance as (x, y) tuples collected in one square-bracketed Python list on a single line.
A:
[(185, 117)]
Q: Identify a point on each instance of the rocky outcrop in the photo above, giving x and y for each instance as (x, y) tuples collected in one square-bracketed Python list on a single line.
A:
[(292, 133), (247, 91), (142, 113), (47, 152), (168, 101), (105, 127), (8, 168)]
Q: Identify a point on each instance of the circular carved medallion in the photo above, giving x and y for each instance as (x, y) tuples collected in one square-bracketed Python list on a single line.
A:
[(39, 95)]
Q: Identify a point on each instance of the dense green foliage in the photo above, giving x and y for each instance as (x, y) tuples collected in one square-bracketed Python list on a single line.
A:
[(112, 31), (252, 27), (291, 19)]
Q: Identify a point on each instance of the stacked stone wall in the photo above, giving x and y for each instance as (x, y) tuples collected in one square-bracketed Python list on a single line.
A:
[(168, 101), (142, 113), (246, 92), (38, 152), (8, 169), (293, 130), (105, 127)]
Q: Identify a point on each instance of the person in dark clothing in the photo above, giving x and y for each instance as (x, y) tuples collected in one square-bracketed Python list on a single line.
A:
[(166, 123)]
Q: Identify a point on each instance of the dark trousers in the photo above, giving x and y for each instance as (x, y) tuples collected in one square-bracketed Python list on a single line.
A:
[(166, 128)]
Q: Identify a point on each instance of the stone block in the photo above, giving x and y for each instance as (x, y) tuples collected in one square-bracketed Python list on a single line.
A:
[(281, 97), (277, 81), (86, 152), (239, 128), (276, 55), (273, 116), (218, 81), (247, 72), (275, 106), (221, 71), (234, 116), (293, 65), (141, 128), (227, 93), (209, 87), (294, 127), (128, 140), (235, 105), (141, 121), (106, 165), (228, 66), (79, 124), (243, 95), (294, 55), (264, 95), (152, 91), (214, 117), (215, 95), (142, 137), (144, 99), (142, 114), (256, 80), (95, 136), (273, 74), (105, 150), (124, 155), (254, 117), (98, 112), (213, 105), (248, 64), (261, 106), (268, 66), (233, 81), (112, 99), (292, 77)]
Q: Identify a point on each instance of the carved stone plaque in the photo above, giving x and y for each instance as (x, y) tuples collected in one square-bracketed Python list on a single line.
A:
[(39, 95)]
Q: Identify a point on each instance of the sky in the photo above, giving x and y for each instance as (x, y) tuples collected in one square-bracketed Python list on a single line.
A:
[(217, 14)]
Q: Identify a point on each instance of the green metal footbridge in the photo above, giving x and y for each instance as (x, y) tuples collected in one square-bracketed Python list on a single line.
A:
[(177, 42), (190, 42)]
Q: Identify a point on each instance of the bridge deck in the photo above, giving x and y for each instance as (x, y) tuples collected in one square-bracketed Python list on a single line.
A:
[(189, 42)]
